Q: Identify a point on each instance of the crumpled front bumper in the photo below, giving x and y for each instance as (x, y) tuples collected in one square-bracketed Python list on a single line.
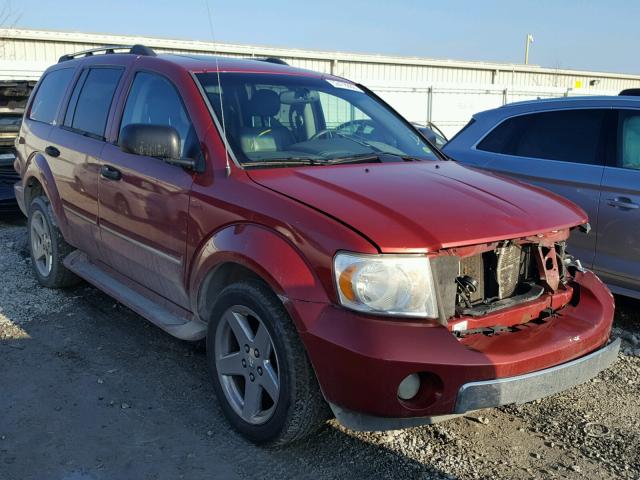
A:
[(360, 361), (531, 386), (494, 393)]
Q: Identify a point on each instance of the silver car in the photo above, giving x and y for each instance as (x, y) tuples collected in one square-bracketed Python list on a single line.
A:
[(586, 149)]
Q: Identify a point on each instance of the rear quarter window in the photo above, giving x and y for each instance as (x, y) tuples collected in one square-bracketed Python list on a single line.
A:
[(564, 135), (49, 95)]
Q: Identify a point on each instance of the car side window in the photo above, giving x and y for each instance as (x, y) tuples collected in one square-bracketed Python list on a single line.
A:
[(153, 100), (91, 100), (629, 140), (565, 135), (53, 86)]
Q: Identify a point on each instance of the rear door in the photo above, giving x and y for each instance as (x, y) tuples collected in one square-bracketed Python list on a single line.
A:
[(618, 249), (77, 145), (143, 200), (43, 113), (563, 151)]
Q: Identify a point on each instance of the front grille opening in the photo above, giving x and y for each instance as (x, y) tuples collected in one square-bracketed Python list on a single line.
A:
[(544, 318), (496, 279)]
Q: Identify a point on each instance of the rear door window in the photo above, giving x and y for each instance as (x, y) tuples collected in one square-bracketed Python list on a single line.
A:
[(564, 135), (91, 100), (44, 107)]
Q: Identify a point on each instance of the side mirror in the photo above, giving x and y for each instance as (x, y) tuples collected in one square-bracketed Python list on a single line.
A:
[(160, 141)]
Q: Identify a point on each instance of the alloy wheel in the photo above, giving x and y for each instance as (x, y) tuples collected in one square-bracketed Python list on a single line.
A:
[(41, 248), (247, 365)]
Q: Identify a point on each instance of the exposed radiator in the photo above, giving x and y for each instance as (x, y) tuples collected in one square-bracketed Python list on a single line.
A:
[(497, 273)]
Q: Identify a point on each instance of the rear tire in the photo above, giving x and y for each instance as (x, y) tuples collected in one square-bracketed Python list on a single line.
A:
[(253, 346), (47, 247)]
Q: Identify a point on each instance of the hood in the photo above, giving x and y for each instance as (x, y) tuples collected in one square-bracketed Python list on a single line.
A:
[(423, 206)]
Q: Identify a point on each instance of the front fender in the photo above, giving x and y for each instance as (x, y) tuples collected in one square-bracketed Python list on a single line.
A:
[(266, 253)]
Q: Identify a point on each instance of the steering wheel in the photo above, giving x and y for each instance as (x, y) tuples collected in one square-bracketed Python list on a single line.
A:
[(322, 133), (359, 125)]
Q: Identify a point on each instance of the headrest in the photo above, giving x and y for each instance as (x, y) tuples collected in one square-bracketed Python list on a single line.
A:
[(265, 103), (632, 124), (298, 96)]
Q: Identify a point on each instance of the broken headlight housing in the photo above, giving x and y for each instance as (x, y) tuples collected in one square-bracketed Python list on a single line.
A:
[(399, 285)]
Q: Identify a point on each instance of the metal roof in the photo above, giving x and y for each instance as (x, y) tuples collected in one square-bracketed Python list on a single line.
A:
[(229, 64), (262, 51), (191, 63), (592, 99)]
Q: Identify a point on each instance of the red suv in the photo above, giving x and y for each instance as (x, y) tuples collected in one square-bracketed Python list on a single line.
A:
[(328, 253)]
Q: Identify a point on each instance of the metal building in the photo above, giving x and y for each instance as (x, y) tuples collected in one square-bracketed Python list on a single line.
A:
[(446, 92)]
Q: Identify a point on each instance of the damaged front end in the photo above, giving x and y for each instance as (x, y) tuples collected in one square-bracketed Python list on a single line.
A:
[(496, 287), (519, 319)]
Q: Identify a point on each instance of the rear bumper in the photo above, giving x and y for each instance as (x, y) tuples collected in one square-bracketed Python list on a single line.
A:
[(18, 189), (360, 361)]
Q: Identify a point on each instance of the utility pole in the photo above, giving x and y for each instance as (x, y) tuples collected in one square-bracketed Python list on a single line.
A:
[(526, 48)]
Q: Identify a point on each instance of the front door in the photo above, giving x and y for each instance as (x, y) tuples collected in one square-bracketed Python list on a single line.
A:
[(618, 244), (144, 201)]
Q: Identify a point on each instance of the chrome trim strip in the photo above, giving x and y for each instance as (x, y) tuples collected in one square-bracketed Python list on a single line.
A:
[(149, 249), (532, 386), (215, 120), (79, 215)]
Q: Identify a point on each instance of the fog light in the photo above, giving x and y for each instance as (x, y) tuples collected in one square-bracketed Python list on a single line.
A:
[(409, 387)]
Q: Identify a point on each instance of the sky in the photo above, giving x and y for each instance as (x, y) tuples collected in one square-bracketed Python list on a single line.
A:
[(587, 35)]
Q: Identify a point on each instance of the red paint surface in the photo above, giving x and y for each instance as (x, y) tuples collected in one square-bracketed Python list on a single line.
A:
[(286, 225), (423, 206), (361, 360)]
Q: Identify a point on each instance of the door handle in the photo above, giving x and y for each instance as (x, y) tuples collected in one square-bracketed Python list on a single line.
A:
[(52, 151), (21, 140), (110, 173), (623, 202)]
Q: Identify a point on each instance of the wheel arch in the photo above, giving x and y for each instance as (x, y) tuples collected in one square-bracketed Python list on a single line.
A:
[(33, 188), (221, 275), (39, 180), (243, 251)]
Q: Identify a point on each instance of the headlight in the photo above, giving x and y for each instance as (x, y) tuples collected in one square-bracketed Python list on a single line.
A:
[(386, 284)]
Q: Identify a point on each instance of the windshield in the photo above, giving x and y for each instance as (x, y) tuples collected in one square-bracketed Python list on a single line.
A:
[(302, 120)]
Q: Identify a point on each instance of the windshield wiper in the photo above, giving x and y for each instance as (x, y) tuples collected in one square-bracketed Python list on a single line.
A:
[(303, 161), (359, 141), (282, 162), (360, 158), (382, 157)]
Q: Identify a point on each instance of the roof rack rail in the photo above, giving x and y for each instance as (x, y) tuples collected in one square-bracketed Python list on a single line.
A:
[(132, 49), (276, 60)]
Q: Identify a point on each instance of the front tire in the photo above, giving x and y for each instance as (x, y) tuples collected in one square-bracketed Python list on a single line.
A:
[(47, 247), (263, 379)]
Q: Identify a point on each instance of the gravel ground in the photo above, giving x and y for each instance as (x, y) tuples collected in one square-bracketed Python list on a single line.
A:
[(89, 390)]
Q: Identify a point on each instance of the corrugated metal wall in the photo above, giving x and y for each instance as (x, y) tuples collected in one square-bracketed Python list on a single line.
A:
[(442, 91)]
